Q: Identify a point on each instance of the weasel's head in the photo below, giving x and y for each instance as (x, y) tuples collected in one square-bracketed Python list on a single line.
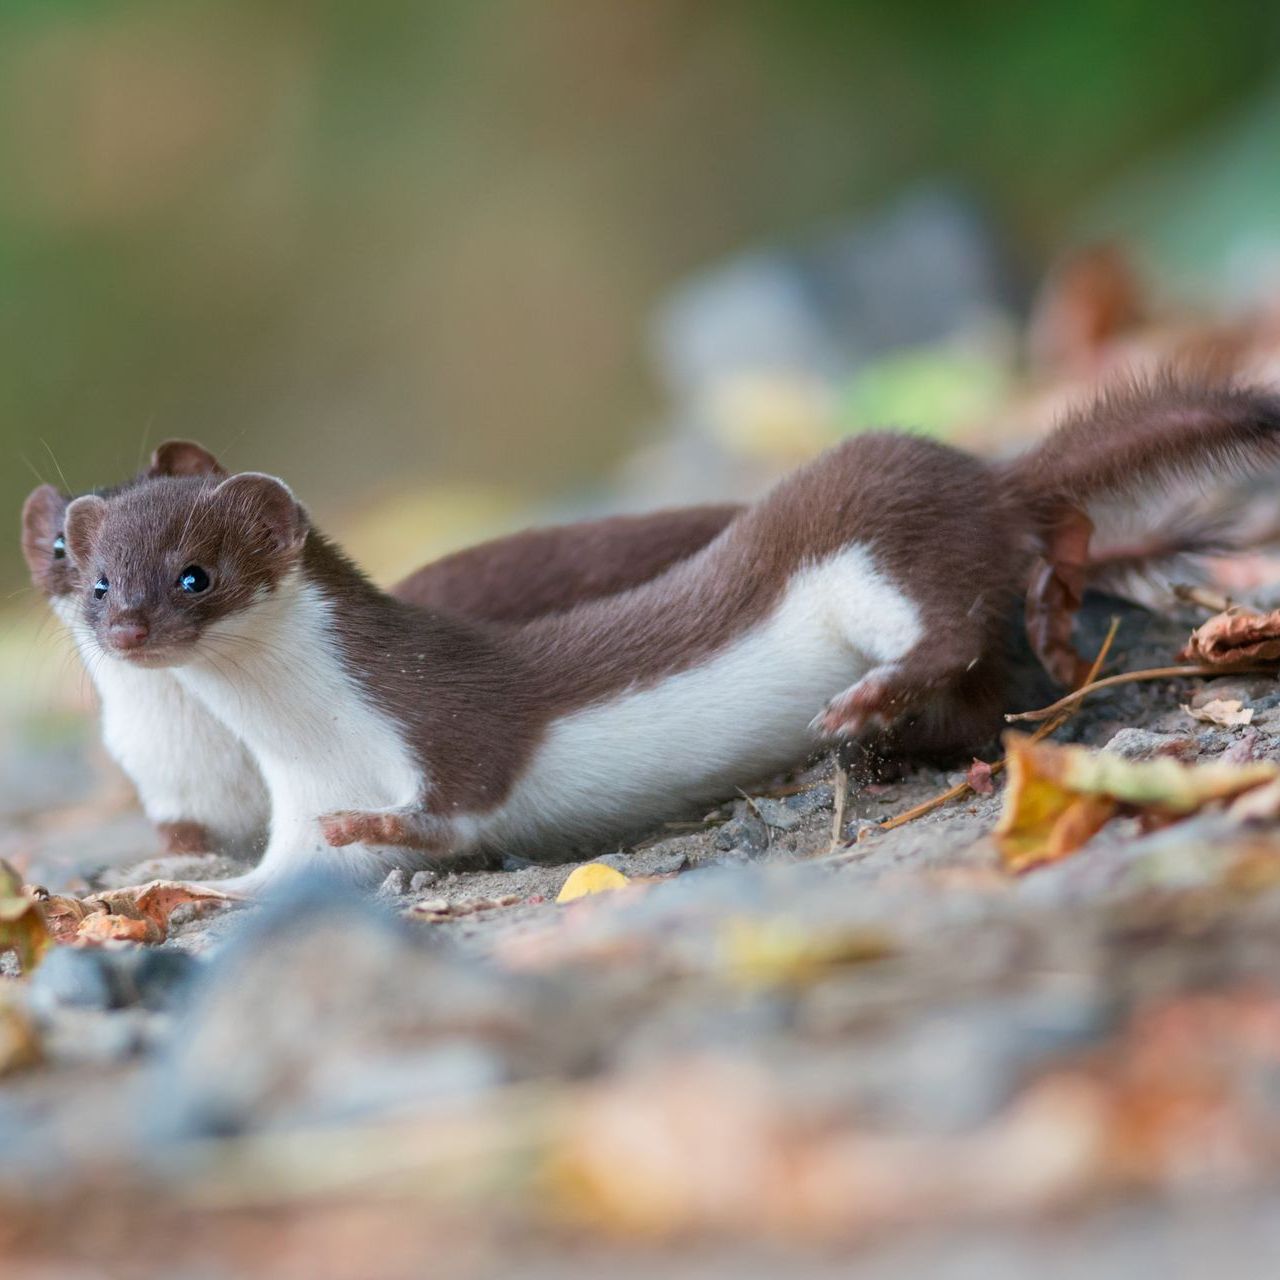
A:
[(44, 544), (44, 540), (160, 565)]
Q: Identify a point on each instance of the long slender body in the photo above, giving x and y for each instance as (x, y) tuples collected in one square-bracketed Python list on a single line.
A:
[(869, 589), (198, 783)]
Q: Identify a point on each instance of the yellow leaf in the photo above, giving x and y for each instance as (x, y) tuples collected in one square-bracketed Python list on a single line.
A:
[(784, 952), (591, 877), (1059, 796)]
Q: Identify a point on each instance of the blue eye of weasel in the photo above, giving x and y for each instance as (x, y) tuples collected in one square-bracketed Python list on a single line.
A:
[(193, 579), (100, 588), (59, 548)]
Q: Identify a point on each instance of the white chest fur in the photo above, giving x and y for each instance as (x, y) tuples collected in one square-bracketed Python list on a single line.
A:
[(186, 766), (739, 716), (273, 674)]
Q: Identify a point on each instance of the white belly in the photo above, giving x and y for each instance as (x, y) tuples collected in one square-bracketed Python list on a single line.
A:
[(615, 767)]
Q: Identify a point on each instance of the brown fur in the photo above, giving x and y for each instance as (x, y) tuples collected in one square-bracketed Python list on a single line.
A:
[(1139, 437), (549, 570), (509, 579), (956, 534)]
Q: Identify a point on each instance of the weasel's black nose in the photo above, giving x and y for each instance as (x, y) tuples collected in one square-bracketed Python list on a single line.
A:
[(128, 635)]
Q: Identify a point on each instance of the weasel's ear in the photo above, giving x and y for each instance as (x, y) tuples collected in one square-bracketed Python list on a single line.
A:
[(83, 520), (184, 458), (42, 516), (270, 504)]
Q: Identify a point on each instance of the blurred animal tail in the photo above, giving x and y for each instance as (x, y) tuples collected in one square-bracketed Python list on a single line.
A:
[(1123, 492), (1138, 441)]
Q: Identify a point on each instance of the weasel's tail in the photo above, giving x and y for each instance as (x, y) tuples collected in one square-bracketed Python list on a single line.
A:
[(1148, 463), (1141, 440)]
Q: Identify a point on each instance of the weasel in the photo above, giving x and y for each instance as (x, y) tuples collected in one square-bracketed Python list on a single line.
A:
[(869, 589), (197, 783)]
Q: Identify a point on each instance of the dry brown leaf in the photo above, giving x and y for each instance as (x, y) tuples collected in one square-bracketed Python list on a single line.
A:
[(1231, 713), (1236, 636), (1054, 596), (1060, 796), (22, 927), (63, 915), (139, 913), (104, 926)]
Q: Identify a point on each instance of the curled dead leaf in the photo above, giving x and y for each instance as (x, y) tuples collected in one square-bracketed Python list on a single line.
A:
[(1229, 712), (1235, 636), (140, 913), (1060, 796), (105, 926), (63, 915), (22, 926), (1054, 596)]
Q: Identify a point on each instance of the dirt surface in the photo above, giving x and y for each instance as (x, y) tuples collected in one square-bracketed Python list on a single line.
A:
[(768, 1054)]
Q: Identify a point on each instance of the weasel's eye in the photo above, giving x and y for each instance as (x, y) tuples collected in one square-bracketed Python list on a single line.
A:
[(193, 579), (100, 588), (59, 548)]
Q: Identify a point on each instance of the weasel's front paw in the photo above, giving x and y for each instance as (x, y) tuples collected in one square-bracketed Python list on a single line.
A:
[(870, 704), (358, 826)]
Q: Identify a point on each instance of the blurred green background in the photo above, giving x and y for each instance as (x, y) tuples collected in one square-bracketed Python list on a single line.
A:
[(398, 243)]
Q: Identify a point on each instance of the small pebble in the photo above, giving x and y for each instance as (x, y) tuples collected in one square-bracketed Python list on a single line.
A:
[(812, 801), (81, 979), (431, 907), (161, 977), (775, 813), (396, 884), (421, 880), (744, 833)]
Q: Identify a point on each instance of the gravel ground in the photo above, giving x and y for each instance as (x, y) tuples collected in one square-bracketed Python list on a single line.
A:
[(768, 1054)]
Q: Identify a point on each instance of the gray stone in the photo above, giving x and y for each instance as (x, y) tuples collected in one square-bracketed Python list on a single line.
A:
[(420, 881), (97, 1037), (775, 813), (162, 979), (1142, 744), (80, 978), (814, 800), (744, 835), (324, 1006)]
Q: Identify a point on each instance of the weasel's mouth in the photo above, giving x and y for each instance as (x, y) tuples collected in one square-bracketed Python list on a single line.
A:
[(147, 657)]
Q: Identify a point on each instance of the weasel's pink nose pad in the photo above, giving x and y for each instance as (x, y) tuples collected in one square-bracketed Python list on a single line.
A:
[(128, 635)]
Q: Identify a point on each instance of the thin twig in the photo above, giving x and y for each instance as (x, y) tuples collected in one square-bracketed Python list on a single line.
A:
[(840, 786), (1206, 599), (1128, 677), (961, 788)]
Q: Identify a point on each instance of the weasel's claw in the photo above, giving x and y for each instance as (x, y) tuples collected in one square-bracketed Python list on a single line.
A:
[(868, 705), (356, 826)]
